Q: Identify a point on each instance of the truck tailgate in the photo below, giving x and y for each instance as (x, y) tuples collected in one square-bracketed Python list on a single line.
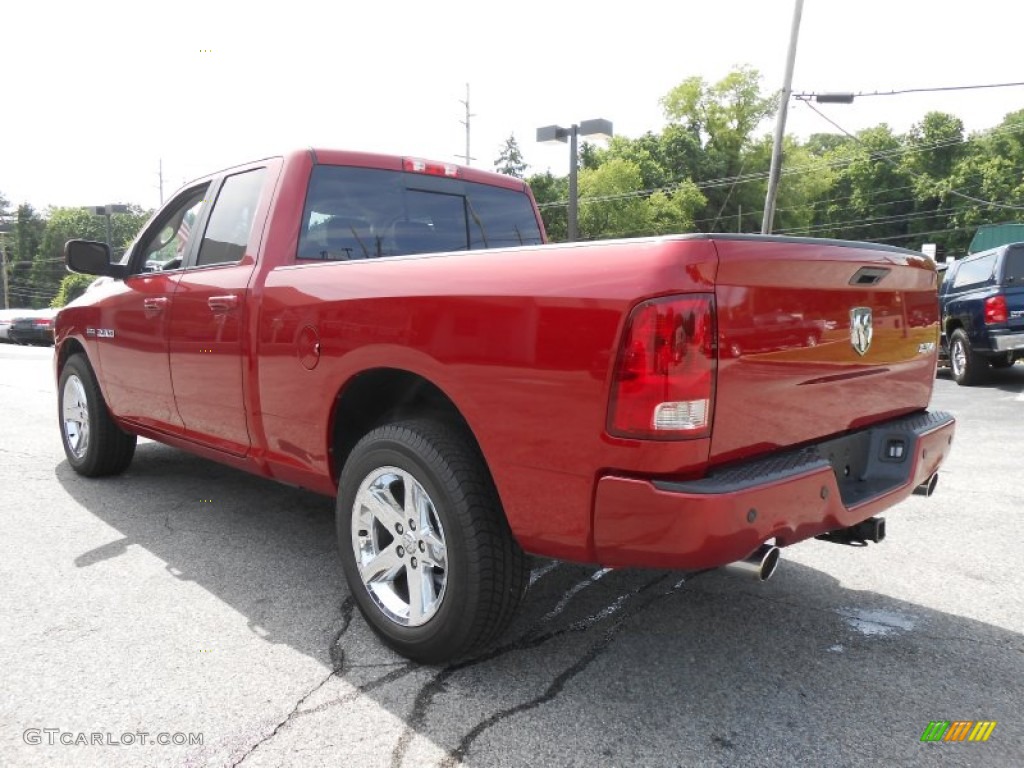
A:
[(818, 337)]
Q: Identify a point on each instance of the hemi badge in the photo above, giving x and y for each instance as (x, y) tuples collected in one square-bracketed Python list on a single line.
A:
[(105, 333)]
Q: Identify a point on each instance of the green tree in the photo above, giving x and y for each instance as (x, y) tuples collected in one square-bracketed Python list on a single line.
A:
[(673, 212), (551, 193), (707, 170), (987, 184), (71, 287), (26, 234), (934, 147), (610, 205), (721, 119), (63, 224), (873, 191), (28, 231), (510, 160), (615, 203)]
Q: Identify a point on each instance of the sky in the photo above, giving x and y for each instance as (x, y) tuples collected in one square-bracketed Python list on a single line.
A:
[(98, 94)]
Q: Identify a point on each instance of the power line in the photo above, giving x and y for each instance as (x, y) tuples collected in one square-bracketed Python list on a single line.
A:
[(807, 96), (869, 222), (880, 204), (911, 236), (840, 128)]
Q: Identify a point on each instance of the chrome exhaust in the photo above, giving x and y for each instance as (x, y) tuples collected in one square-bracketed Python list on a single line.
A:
[(762, 563), (927, 488)]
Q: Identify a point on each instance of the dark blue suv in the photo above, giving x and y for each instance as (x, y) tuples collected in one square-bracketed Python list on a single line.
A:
[(981, 300)]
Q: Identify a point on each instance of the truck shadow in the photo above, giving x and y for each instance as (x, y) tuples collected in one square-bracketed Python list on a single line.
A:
[(1006, 379), (600, 667)]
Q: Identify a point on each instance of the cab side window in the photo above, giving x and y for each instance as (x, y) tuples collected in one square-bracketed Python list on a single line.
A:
[(974, 272), (166, 248), (227, 234)]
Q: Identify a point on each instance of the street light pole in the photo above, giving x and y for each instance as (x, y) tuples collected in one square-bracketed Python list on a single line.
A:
[(555, 133), (3, 260), (572, 230), (780, 124), (107, 211)]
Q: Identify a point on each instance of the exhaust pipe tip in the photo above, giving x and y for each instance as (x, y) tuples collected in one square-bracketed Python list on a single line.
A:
[(762, 563), (769, 563), (927, 488)]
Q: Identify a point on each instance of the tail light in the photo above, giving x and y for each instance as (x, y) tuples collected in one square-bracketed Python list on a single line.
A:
[(42, 322), (995, 310), (664, 380)]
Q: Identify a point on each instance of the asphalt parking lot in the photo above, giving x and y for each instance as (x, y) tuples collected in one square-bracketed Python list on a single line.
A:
[(187, 599)]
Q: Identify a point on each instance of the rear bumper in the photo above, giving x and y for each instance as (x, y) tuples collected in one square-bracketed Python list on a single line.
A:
[(1007, 342), (789, 496)]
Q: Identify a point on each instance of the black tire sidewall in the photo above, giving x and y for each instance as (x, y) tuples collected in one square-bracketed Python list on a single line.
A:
[(77, 367), (110, 449), (966, 374), (443, 629)]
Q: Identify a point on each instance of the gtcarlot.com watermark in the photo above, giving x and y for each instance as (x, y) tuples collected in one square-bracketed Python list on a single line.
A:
[(57, 736)]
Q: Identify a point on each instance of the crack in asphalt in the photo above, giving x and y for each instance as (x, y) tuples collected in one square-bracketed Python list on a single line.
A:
[(395, 674), (530, 640), (558, 684), (337, 663)]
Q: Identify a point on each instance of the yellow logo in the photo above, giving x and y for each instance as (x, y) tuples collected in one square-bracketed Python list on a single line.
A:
[(958, 730)]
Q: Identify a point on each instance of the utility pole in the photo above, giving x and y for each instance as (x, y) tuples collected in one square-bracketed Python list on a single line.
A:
[(467, 158), (160, 174), (780, 124), (3, 260)]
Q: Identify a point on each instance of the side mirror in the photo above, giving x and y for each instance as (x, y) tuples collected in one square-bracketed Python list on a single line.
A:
[(91, 258)]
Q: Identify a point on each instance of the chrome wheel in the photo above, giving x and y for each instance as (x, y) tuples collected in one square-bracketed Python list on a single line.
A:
[(399, 546), (75, 416), (958, 358)]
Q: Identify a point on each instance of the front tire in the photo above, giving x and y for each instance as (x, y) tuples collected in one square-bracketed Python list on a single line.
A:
[(94, 444), (425, 546), (967, 367)]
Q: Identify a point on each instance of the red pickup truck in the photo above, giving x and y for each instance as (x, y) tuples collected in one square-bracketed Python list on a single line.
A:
[(392, 332)]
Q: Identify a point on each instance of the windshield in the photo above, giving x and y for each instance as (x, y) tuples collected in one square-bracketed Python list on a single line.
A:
[(363, 213)]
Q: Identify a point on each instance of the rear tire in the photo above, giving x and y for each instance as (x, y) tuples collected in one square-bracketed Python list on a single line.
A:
[(94, 444), (425, 546), (968, 368)]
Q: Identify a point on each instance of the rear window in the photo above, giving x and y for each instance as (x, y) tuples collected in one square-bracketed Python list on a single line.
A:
[(365, 213), (1013, 265)]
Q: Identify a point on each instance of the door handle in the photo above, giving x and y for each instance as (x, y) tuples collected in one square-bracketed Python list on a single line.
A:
[(155, 303), (223, 303)]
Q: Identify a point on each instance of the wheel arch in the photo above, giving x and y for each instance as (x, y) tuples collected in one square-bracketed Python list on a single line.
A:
[(953, 324), (69, 347), (379, 395)]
